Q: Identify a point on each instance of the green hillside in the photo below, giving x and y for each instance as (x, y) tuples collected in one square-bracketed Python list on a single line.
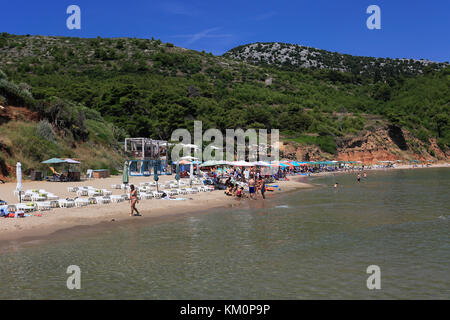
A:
[(148, 88)]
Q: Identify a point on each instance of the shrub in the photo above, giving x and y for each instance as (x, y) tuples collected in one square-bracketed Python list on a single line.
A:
[(3, 75), (45, 131)]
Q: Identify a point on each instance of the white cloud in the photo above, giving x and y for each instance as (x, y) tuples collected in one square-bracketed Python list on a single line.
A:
[(208, 33)]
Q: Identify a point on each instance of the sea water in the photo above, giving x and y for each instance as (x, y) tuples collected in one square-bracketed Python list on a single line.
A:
[(307, 244)]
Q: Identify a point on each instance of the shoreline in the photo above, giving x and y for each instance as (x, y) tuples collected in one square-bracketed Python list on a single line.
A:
[(74, 222), (63, 223)]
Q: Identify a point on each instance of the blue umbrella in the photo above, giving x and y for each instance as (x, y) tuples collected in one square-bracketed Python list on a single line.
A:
[(54, 160)]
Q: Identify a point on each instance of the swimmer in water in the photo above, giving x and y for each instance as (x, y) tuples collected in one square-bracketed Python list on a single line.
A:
[(359, 177), (336, 185), (365, 174)]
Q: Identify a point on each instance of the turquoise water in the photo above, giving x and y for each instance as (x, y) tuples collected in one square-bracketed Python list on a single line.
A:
[(312, 244)]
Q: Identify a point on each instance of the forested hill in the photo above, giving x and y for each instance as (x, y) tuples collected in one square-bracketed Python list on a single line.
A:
[(293, 56), (150, 88)]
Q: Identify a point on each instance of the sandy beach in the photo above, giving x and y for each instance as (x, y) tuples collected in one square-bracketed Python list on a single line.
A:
[(60, 220)]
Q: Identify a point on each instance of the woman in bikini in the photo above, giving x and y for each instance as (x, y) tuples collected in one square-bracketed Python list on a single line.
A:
[(133, 200)]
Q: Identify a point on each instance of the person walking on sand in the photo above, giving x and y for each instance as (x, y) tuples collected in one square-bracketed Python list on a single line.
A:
[(133, 200)]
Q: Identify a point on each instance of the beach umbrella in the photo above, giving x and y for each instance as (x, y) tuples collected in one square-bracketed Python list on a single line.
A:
[(192, 146), (71, 161), (262, 164), (53, 161), (209, 163), (242, 164), (189, 158), (19, 180)]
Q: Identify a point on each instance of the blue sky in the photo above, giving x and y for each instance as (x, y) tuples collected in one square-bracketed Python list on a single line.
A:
[(409, 28)]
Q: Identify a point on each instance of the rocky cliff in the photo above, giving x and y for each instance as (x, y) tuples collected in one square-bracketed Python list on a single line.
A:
[(385, 143)]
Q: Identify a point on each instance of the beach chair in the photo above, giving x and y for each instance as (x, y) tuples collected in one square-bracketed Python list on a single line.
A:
[(191, 190), (116, 186), (51, 196), (38, 197), (94, 193), (157, 194), (181, 191), (63, 203), (82, 192), (54, 203), (72, 189), (106, 192), (146, 196), (117, 199), (43, 206), (25, 207), (103, 200), (81, 202)]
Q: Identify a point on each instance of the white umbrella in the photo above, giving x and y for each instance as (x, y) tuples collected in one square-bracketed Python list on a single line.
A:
[(262, 164), (242, 164), (188, 158), (19, 180), (193, 146)]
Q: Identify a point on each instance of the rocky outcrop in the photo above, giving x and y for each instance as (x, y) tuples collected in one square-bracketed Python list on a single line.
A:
[(10, 113), (385, 143)]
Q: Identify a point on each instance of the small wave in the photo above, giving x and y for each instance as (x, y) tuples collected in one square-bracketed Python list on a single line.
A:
[(283, 206)]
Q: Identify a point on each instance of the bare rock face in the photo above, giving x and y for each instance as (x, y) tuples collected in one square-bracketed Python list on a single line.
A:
[(371, 147), (301, 152), (10, 113), (385, 143)]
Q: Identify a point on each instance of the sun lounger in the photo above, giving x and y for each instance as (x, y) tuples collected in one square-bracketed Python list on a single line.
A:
[(51, 196), (182, 191), (106, 192), (103, 200), (37, 197), (170, 192), (146, 196), (116, 186), (66, 204), (157, 194), (116, 199), (94, 193), (25, 207), (81, 202), (82, 192), (72, 189), (42, 206)]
